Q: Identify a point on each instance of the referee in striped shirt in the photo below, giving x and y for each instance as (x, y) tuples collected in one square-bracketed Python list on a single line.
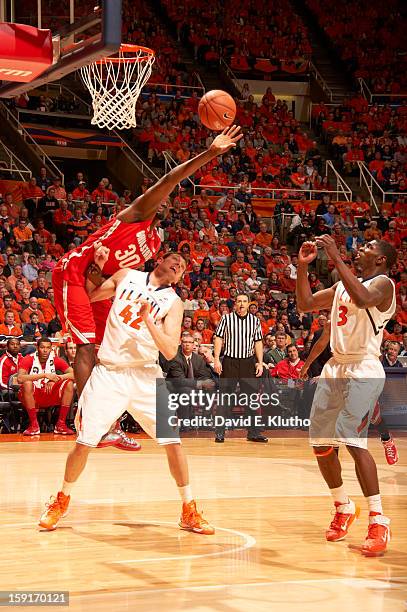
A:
[(240, 334)]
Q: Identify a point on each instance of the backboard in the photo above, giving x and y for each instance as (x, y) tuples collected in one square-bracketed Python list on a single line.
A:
[(83, 31)]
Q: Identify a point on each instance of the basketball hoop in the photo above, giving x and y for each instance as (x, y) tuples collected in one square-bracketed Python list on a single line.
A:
[(115, 84)]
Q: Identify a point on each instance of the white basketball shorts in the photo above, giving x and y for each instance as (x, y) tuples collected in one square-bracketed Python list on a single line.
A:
[(110, 393), (344, 401)]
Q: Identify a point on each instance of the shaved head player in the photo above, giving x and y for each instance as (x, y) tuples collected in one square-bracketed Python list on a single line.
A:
[(352, 380)]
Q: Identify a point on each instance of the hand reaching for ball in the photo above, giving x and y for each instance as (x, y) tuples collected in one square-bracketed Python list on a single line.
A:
[(226, 140)]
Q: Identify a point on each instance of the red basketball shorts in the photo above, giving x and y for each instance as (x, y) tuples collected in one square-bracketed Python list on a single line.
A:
[(45, 399), (84, 321)]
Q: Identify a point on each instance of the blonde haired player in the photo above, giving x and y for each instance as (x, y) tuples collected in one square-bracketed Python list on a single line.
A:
[(353, 379), (145, 319)]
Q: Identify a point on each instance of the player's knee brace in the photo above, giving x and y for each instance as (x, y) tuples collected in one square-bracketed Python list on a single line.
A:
[(323, 451)]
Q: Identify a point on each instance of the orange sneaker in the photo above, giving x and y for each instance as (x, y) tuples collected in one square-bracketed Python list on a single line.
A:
[(55, 510), (192, 520), (341, 522), (378, 535)]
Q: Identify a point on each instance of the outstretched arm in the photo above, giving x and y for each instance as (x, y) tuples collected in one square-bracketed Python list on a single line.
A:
[(306, 300), (317, 349), (146, 205)]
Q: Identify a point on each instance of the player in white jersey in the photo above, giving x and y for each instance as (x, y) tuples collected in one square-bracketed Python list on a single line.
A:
[(145, 319), (352, 380)]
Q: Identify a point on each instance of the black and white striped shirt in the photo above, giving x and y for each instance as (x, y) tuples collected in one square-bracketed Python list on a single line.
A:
[(239, 334)]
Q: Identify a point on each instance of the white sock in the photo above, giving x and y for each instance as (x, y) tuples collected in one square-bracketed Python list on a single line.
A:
[(66, 487), (375, 503), (186, 493), (339, 495)]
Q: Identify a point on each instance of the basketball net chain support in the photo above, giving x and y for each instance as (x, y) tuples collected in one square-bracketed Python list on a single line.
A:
[(115, 85)]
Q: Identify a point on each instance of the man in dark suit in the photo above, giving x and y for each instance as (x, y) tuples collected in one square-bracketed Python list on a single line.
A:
[(188, 370)]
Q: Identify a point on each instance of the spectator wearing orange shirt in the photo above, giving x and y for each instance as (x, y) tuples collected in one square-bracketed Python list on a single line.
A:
[(8, 306), (202, 312), (396, 335), (287, 283), (299, 178), (223, 249), (263, 238), (338, 235), (372, 232), (216, 315), (183, 153), (80, 192), (207, 334), (59, 190), (22, 234), (209, 230), (105, 194), (44, 234), (13, 209), (32, 195), (240, 267), (9, 327), (183, 200), (33, 307), (392, 236), (377, 164), (318, 323), (47, 305), (53, 248), (18, 275), (351, 157), (198, 254), (78, 227), (276, 265), (248, 236)]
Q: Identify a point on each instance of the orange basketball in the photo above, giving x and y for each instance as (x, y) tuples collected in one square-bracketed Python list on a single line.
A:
[(217, 110)]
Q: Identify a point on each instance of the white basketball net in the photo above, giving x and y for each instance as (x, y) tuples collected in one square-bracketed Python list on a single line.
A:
[(115, 84)]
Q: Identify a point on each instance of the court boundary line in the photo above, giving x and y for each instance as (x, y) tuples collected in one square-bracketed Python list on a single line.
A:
[(249, 540)]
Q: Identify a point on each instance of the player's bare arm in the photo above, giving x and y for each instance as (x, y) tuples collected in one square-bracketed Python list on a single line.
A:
[(108, 288), (67, 375), (166, 338), (306, 300), (319, 346), (380, 291), (23, 376), (146, 205)]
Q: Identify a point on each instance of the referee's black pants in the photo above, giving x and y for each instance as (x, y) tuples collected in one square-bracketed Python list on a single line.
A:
[(242, 371)]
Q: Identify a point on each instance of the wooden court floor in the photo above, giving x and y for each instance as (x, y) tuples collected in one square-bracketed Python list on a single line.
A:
[(120, 548)]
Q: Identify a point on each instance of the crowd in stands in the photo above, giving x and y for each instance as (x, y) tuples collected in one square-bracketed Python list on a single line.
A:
[(275, 153), (370, 37), (228, 248), (245, 32), (375, 134)]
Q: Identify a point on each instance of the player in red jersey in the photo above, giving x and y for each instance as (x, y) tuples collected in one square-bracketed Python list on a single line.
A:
[(127, 241), (42, 387), (10, 362)]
